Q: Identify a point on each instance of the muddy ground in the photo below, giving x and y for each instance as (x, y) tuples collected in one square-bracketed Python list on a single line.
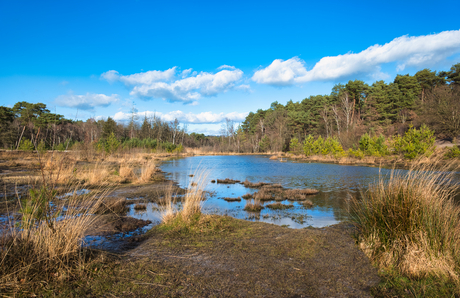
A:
[(226, 257)]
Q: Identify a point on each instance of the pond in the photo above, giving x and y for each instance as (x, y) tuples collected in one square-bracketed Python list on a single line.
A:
[(336, 185)]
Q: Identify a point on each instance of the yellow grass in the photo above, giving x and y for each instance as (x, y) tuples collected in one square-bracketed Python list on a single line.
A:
[(409, 222), (45, 249)]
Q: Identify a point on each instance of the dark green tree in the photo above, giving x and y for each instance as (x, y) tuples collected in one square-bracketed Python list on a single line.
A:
[(109, 127)]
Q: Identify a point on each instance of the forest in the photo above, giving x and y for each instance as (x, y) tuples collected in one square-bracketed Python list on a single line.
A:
[(429, 99)]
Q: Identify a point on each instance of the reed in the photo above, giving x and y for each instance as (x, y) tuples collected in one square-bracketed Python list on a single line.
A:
[(408, 222), (147, 172), (191, 202), (46, 243)]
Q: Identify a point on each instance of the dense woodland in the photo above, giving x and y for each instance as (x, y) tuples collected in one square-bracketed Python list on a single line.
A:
[(346, 114)]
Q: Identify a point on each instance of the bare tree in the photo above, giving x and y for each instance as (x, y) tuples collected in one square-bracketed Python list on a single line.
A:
[(347, 108), (335, 110), (175, 128)]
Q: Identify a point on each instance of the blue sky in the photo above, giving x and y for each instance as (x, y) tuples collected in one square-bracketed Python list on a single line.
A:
[(202, 61)]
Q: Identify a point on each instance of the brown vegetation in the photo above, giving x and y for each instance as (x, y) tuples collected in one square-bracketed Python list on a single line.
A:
[(279, 206), (238, 199), (408, 222), (227, 181), (253, 206)]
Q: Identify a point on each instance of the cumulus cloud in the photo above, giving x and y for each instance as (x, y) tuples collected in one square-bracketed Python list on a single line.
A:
[(201, 118), (227, 67), (147, 77), (188, 89), (418, 51), (280, 73), (87, 101)]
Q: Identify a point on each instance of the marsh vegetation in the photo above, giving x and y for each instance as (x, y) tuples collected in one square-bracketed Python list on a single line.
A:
[(55, 202)]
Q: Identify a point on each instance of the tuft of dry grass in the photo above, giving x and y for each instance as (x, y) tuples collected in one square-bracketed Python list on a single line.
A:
[(298, 194), (127, 173), (250, 184), (191, 202), (238, 199), (253, 206), (97, 175), (48, 244), (307, 204), (247, 196), (227, 181), (263, 195), (147, 172), (140, 207), (409, 222), (279, 206)]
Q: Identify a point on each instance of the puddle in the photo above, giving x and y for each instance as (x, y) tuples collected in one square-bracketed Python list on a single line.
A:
[(77, 192)]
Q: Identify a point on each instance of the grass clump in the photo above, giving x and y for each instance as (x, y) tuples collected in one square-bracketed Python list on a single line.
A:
[(409, 225), (140, 207), (279, 206), (253, 206), (45, 245), (191, 202), (227, 181), (307, 204), (117, 206), (247, 196), (238, 199)]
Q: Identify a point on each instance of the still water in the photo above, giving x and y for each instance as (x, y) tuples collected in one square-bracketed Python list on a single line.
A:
[(336, 184)]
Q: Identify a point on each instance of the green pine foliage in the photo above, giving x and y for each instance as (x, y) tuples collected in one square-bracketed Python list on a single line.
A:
[(26, 145), (415, 142), (373, 146), (329, 146)]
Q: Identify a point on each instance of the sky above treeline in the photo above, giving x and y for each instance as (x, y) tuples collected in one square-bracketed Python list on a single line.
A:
[(204, 61)]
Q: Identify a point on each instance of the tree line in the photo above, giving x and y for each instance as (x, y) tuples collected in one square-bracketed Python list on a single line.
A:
[(350, 111), (356, 108)]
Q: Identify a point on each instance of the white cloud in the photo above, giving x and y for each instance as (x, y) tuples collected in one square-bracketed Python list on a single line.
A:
[(87, 101), (190, 88), (147, 77), (186, 73), (418, 51), (280, 73), (227, 67), (201, 118)]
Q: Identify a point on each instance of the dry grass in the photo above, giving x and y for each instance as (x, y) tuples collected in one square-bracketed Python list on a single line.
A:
[(147, 172), (253, 206), (298, 194), (140, 207), (117, 206), (97, 175), (127, 173), (250, 184), (238, 199), (227, 181), (279, 206), (46, 247), (191, 202), (247, 196), (408, 222), (263, 195), (307, 204)]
